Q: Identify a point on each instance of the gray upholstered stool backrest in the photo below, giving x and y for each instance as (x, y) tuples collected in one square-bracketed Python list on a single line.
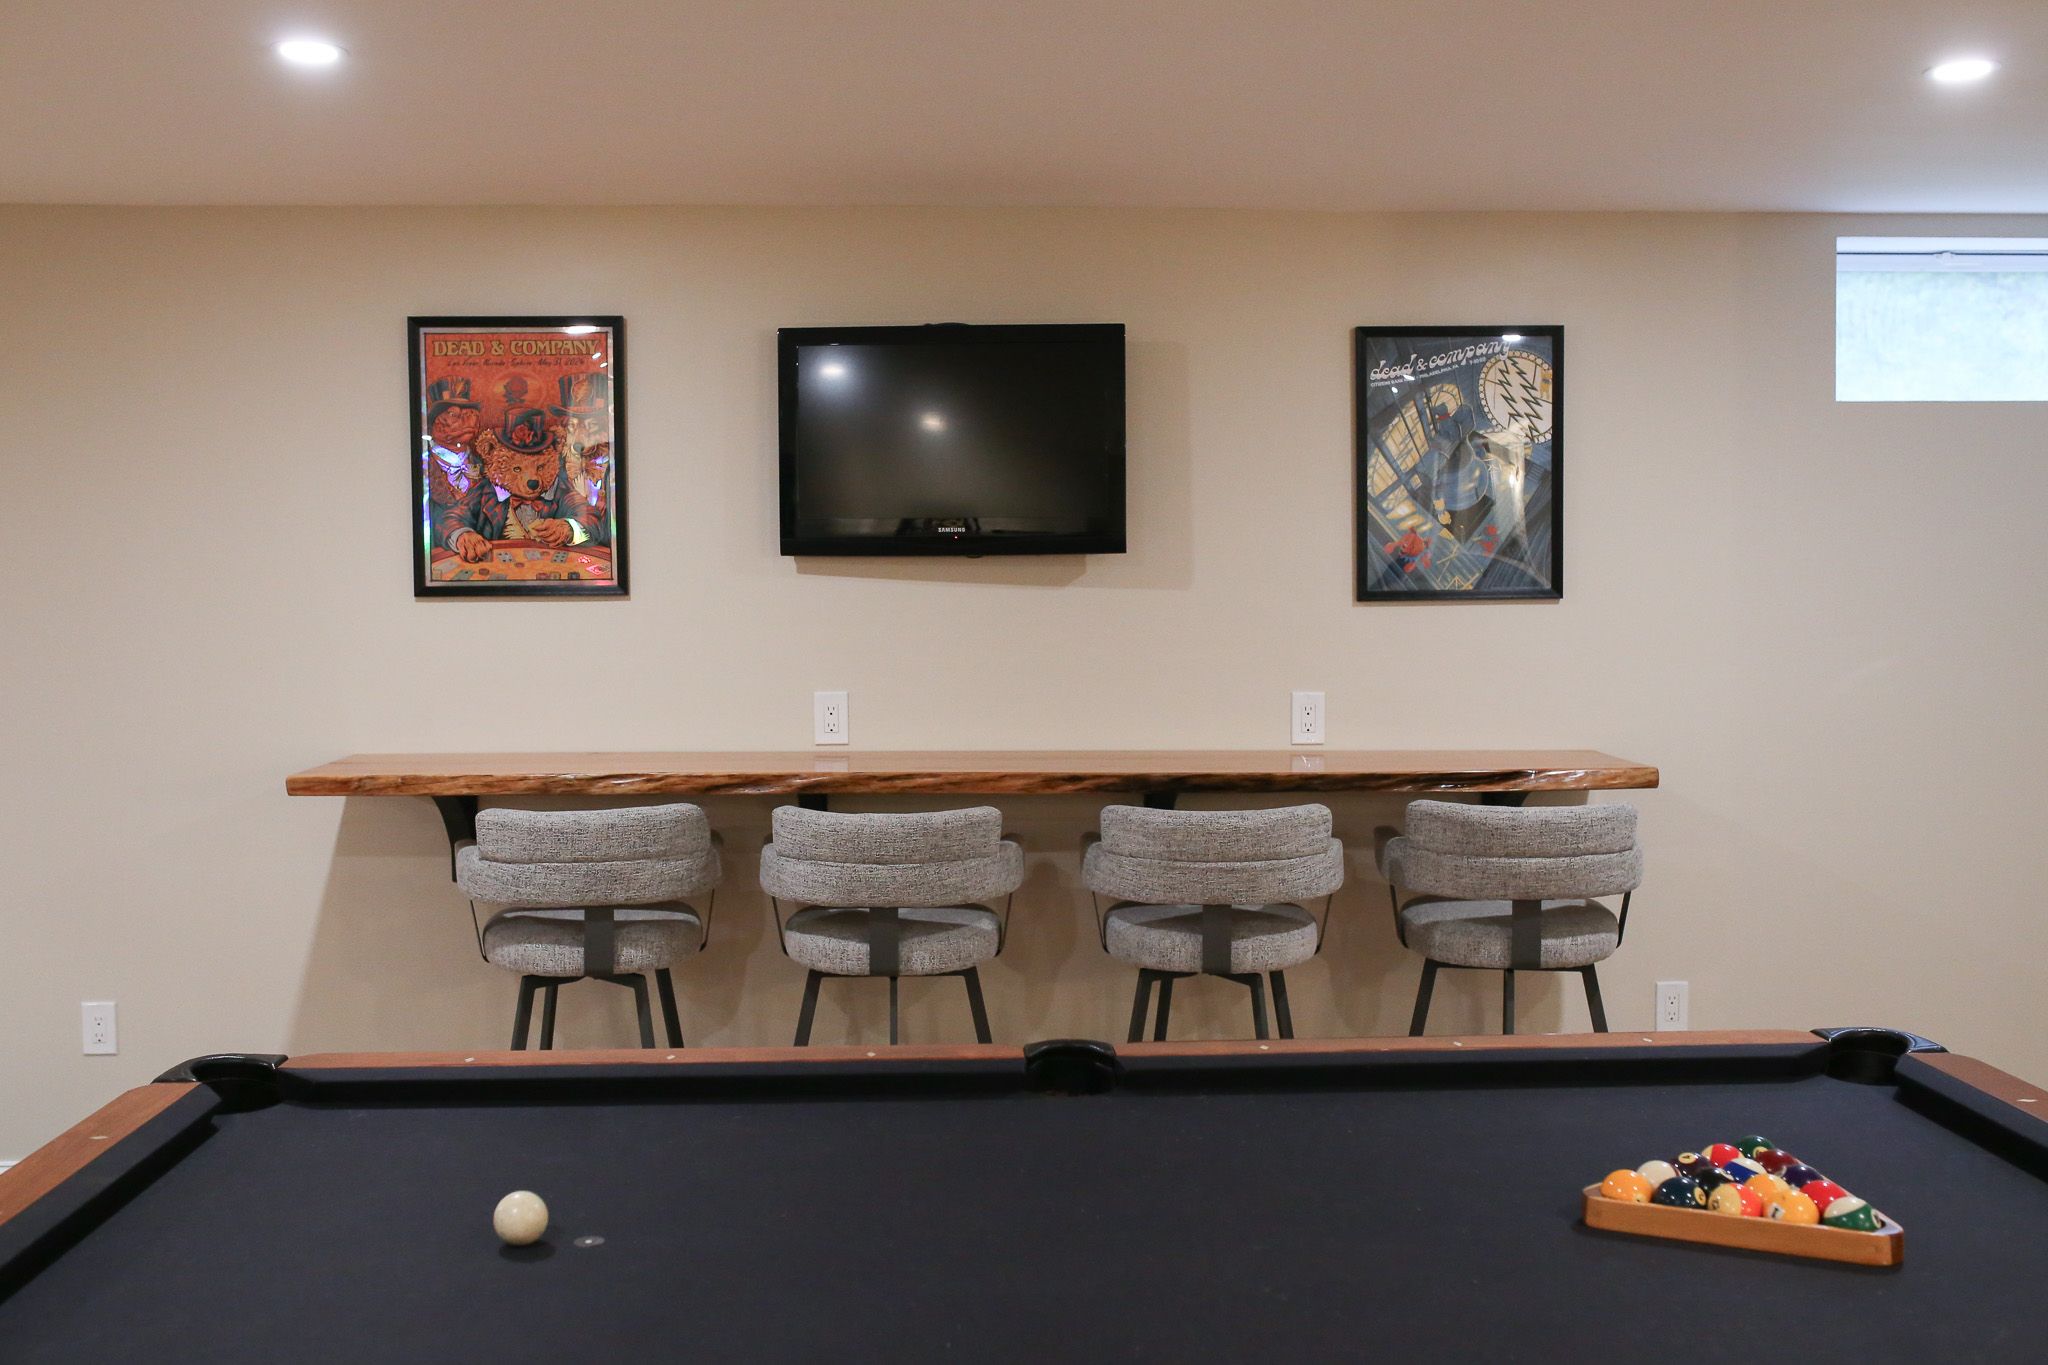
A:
[(1215, 857), (921, 860), (638, 855), (1499, 853)]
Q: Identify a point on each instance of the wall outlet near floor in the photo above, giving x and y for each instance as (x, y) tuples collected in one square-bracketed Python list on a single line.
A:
[(98, 1019), (828, 718), (1673, 1012), (1305, 718)]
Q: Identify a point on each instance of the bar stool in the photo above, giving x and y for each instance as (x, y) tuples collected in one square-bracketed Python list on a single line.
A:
[(1511, 890), (890, 895), (1213, 893), (591, 893)]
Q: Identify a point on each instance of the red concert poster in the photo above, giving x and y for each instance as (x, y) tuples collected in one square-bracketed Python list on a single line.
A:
[(518, 456)]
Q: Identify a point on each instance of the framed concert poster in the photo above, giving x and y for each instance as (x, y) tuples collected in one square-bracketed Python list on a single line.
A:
[(1460, 463), (519, 457)]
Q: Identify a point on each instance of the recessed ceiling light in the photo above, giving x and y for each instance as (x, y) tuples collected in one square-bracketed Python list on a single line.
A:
[(309, 52), (1961, 70)]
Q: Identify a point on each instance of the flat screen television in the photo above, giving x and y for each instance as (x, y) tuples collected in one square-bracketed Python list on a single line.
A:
[(952, 440)]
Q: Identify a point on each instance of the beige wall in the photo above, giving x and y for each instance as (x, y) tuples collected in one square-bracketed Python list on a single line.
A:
[(1824, 623)]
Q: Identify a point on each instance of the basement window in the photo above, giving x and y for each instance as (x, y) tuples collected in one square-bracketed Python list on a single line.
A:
[(1941, 320)]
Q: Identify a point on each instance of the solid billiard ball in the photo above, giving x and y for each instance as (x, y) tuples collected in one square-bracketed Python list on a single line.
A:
[(1851, 1213), (1721, 1153), (1728, 1200), (1753, 1144), (520, 1218), (1792, 1207), (1692, 1163), (1799, 1174), (1656, 1172), (1822, 1193), (1626, 1186), (1680, 1192), (1712, 1178), (1774, 1161), (1767, 1186)]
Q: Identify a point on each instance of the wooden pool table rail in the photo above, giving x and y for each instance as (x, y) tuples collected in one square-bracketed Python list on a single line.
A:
[(63, 1156), (71, 1151)]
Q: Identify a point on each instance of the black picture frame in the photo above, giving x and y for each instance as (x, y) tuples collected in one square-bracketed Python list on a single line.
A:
[(1491, 446), (496, 387)]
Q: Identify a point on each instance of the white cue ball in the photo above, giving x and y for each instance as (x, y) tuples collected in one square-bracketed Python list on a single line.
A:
[(520, 1218)]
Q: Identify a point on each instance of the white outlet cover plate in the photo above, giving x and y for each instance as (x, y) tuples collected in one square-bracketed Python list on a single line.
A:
[(96, 1022), (1305, 718), (828, 718)]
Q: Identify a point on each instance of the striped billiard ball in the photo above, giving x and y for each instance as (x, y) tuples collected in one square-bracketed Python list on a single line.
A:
[(1852, 1213), (1822, 1193)]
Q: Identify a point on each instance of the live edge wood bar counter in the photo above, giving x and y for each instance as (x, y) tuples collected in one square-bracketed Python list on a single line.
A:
[(456, 781)]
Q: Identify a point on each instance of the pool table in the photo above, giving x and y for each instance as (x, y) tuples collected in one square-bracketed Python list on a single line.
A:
[(1397, 1198)]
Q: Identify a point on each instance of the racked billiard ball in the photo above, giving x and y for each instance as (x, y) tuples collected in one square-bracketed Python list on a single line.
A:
[(1692, 1163), (1767, 1186), (1851, 1213), (1799, 1174), (1753, 1144), (1774, 1161), (1733, 1201), (1656, 1172), (1713, 1178), (1791, 1206), (1721, 1153), (1742, 1168), (1680, 1192), (1626, 1186), (1823, 1193)]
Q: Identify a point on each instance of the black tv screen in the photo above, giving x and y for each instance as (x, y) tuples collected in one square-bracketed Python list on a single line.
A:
[(952, 440)]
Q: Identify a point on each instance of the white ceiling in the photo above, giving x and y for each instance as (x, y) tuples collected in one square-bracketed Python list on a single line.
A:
[(1315, 104)]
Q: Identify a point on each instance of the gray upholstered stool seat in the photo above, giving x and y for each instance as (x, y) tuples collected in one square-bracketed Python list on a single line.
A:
[(1214, 893), (1571, 934), (591, 893), (890, 895), (1508, 890), (550, 942), (934, 940), (1168, 938)]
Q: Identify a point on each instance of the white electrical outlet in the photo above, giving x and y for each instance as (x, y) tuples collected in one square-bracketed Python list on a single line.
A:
[(1673, 1011), (1305, 718), (98, 1019), (828, 718)]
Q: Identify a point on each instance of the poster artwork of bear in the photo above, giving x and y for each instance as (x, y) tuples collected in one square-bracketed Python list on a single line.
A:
[(519, 436)]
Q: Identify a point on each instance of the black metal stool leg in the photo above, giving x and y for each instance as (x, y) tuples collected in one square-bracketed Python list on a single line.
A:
[(1593, 1004), (1165, 1009), (638, 984), (1422, 993), (1139, 1001), (522, 1013), (892, 1011), (810, 1009), (972, 978), (1281, 1014), (1507, 1001), (547, 1015), (1258, 1006), (671, 1018)]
